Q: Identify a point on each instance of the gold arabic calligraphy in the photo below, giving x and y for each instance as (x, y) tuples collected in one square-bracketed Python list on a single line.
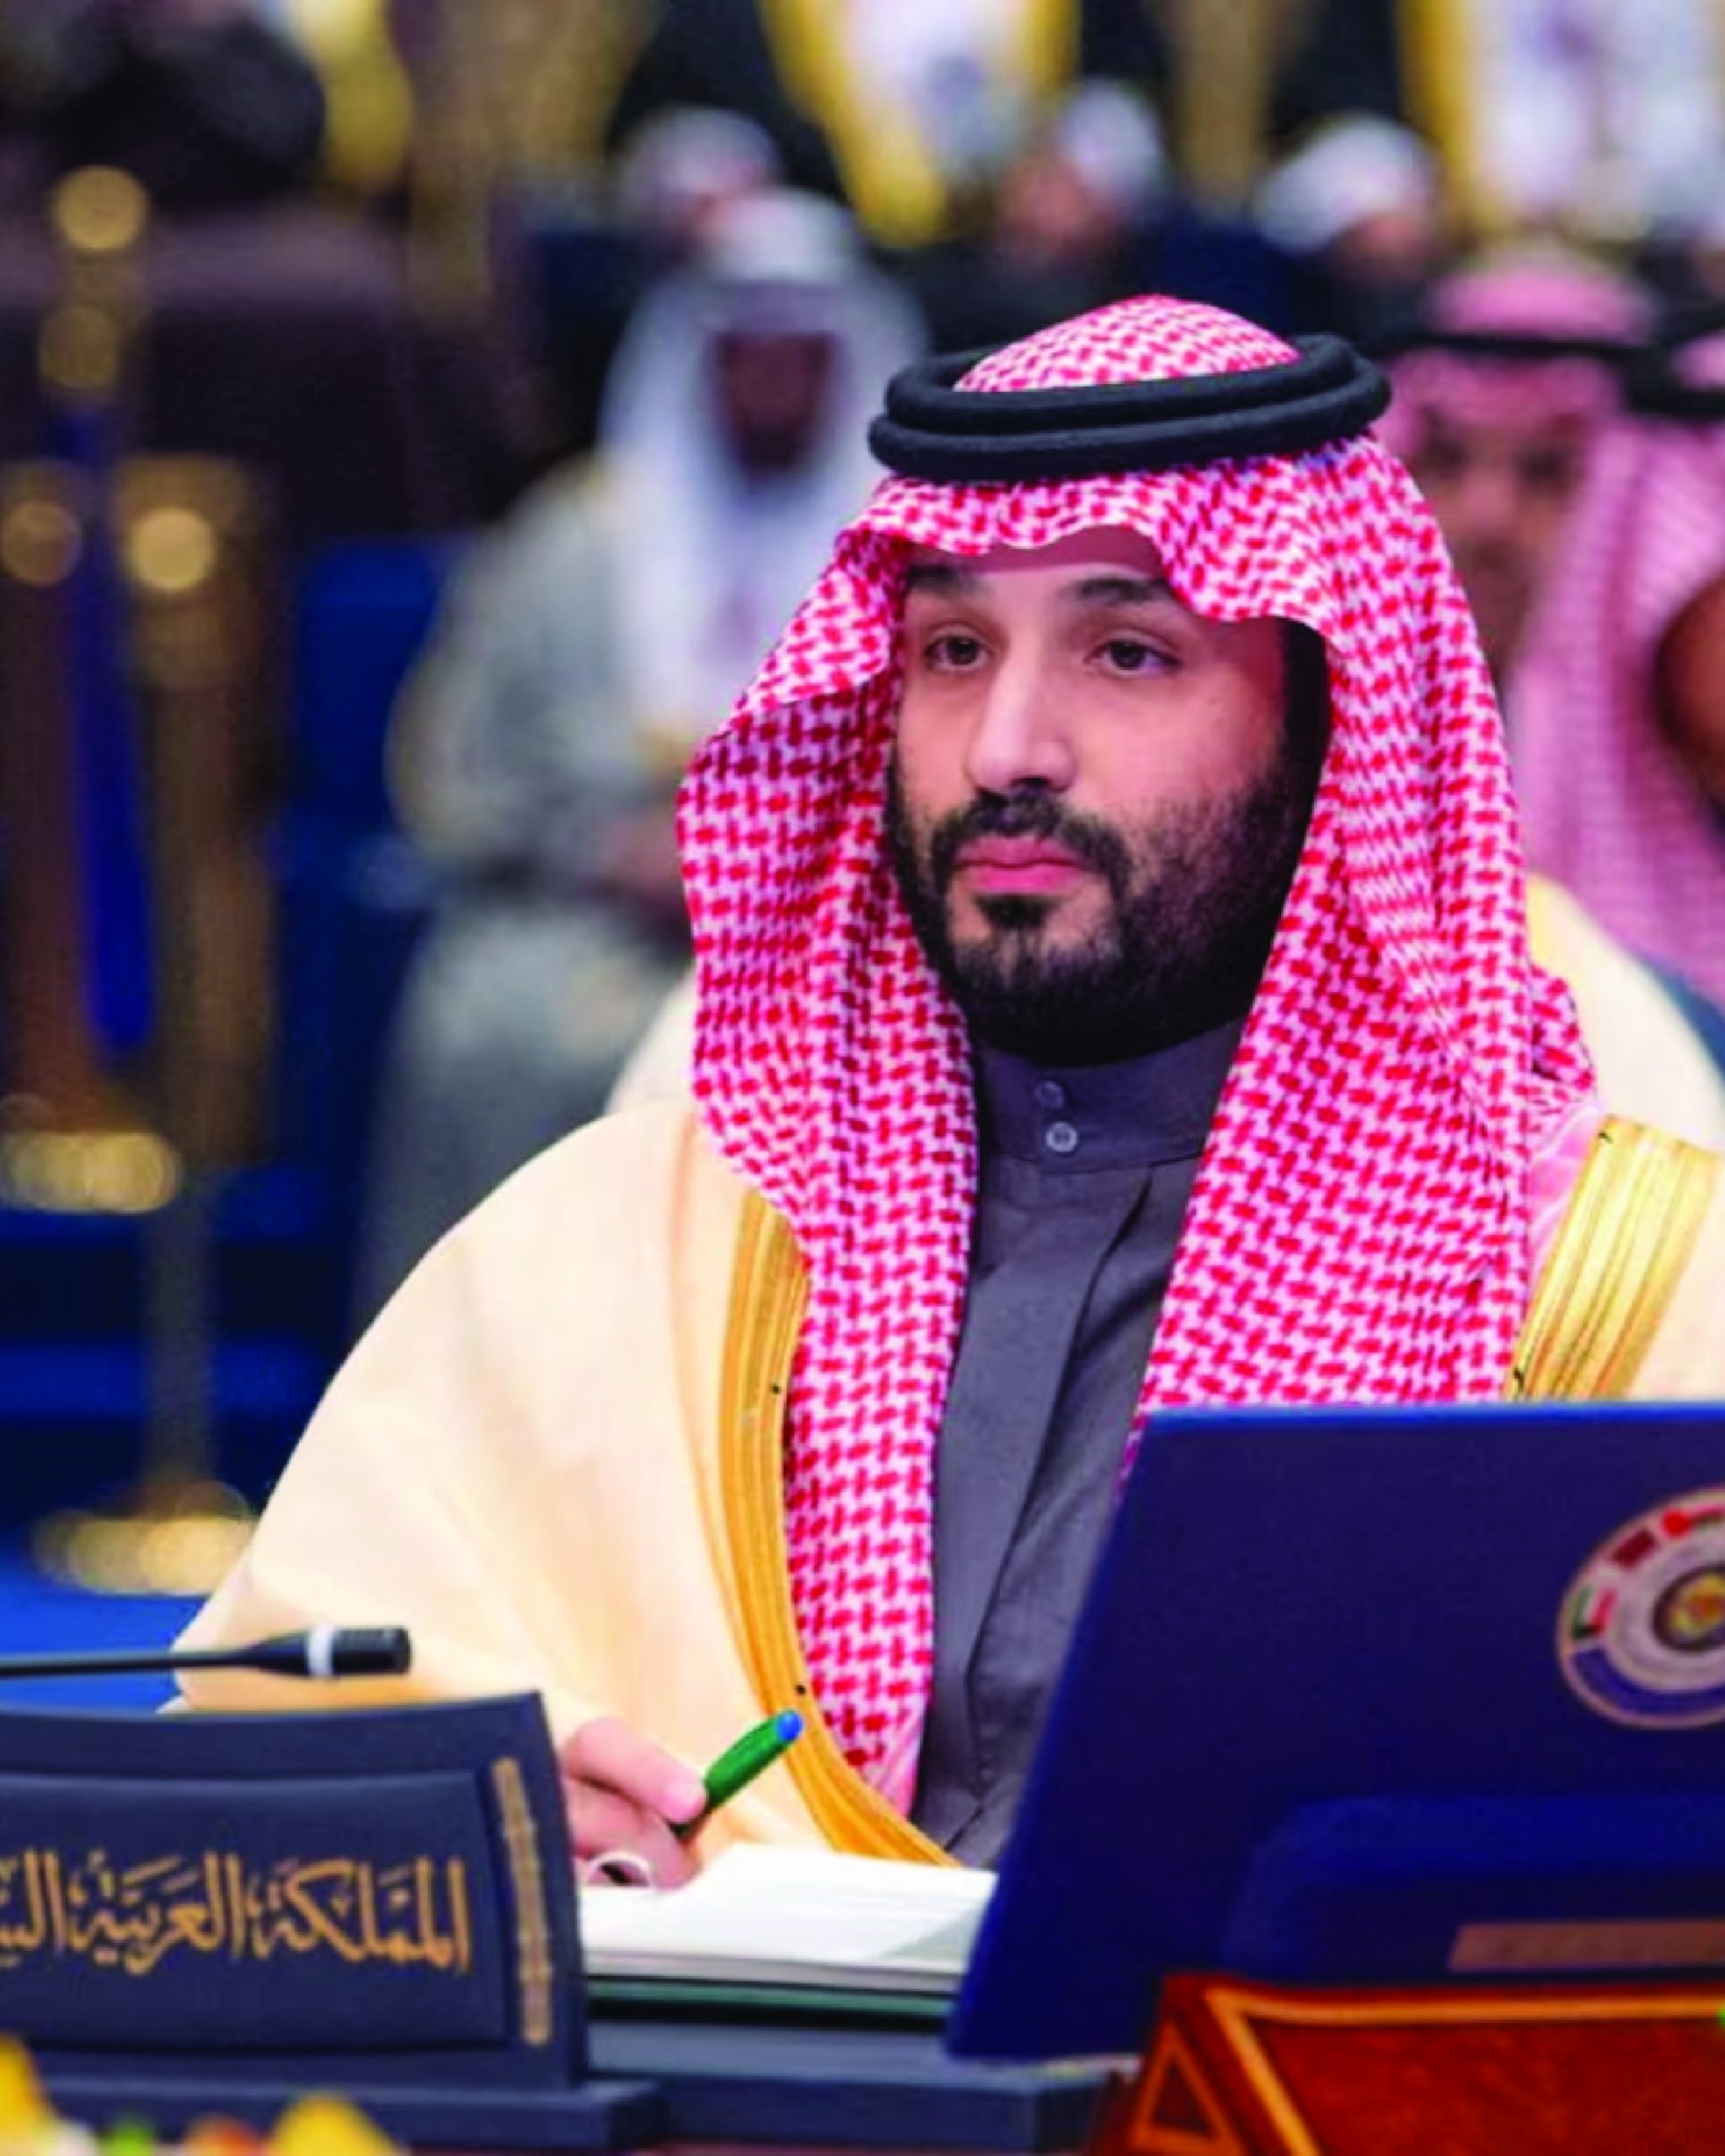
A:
[(132, 1917)]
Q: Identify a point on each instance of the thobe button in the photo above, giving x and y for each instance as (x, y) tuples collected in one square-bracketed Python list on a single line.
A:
[(1060, 1138), (1049, 1093)]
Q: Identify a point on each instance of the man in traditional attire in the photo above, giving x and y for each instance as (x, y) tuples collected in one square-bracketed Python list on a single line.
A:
[(1591, 541), (1586, 542), (1113, 992), (1616, 724), (1582, 117), (584, 649), (1508, 387), (911, 111)]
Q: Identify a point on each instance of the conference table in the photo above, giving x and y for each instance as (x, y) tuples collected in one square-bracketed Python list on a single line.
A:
[(878, 2078), (1567, 2068)]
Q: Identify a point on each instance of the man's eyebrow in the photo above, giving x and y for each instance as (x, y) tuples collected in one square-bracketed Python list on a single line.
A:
[(1113, 590), (1121, 590), (942, 577)]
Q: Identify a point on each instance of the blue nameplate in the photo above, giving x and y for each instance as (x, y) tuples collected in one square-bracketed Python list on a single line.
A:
[(384, 1896)]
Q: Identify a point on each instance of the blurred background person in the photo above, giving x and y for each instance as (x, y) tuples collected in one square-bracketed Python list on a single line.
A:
[(1358, 212), (585, 650), (1085, 211), (598, 243), (1062, 229), (1587, 117), (1507, 384), (909, 111), (1618, 715), (681, 171), (1509, 410)]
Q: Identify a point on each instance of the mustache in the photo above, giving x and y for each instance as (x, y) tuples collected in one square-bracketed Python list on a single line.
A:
[(1028, 814)]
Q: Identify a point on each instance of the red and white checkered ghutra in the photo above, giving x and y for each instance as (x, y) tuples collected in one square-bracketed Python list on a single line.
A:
[(1359, 1229)]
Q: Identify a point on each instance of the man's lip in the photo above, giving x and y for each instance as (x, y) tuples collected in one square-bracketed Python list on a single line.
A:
[(1016, 853), (1024, 867)]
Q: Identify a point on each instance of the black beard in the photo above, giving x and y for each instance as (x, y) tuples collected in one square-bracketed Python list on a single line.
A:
[(1197, 897)]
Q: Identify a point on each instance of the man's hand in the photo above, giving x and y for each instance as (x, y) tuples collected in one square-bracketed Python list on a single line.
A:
[(624, 1793)]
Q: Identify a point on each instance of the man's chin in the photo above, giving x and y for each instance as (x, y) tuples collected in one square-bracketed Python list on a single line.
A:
[(1050, 923)]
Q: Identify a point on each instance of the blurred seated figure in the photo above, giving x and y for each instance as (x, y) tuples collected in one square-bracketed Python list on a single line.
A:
[(1506, 395), (1358, 210), (595, 250), (1618, 722), (1084, 212), (1065, 231), (1603, 121), (911, 110), (1583, 537), (588, 647)]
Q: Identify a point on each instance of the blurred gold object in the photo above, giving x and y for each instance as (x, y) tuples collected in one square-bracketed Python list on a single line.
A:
[(40, 537), (99, 211), (53, 1060), (134, 641), (368, 100), (513, 92), (83, 347), (26, 2116), (125, 1171), (191, 541), (1225, 61), (181, 1537), (171, 550), (193, 546), (328, 2125), (100, 217)]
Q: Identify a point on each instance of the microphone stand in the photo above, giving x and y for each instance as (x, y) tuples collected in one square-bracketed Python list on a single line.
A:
[(324, 1652)]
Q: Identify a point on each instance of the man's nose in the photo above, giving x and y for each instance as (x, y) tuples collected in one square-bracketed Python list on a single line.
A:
[(1486, 501), (1022, 733)]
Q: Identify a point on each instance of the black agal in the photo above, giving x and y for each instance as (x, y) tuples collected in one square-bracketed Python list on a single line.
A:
[(931, 430)]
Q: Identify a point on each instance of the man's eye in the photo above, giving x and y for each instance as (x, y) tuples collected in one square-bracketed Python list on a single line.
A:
[(1439, 463), (954, 652), (1127, 655), (1549, 471)]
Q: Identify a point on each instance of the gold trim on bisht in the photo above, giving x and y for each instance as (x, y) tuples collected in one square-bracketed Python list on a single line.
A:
[(769, 1291), (1626, 1240)]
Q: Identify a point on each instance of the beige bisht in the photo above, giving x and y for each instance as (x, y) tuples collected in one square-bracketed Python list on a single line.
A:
[(555, 1457)]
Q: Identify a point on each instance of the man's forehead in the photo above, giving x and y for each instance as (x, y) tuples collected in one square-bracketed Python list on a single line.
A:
[(1101, 548), (1490, 407)]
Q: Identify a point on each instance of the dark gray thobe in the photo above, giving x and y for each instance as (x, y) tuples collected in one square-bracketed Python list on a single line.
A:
[(1084, 1183)]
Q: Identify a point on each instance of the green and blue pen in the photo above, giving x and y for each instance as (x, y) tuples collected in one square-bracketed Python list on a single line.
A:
[(754, 1751)]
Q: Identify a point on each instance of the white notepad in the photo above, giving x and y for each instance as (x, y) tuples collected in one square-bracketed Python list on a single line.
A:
[(764, 1915)]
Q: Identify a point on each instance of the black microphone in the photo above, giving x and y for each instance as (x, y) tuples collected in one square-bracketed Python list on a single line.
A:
[(324, 1651)]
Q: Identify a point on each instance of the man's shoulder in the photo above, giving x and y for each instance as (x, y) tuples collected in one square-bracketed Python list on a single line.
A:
[(1630, 1300), (631, 1158)]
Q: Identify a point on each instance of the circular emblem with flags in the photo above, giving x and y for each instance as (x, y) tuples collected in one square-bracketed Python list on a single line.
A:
[(1641, 1638)]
